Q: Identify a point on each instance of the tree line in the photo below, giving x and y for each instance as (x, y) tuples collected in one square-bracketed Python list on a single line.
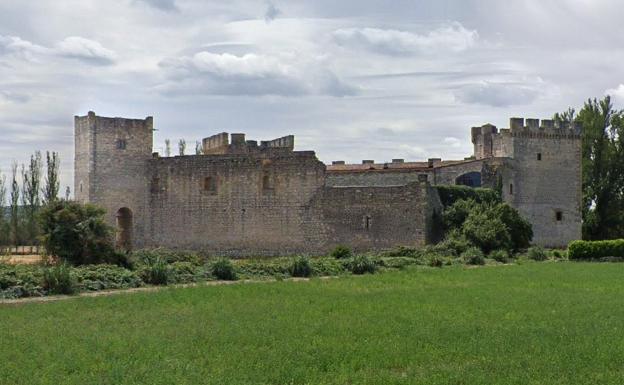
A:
[(29, 187)]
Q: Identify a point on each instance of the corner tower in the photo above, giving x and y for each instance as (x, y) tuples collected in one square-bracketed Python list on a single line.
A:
[(110, 167)]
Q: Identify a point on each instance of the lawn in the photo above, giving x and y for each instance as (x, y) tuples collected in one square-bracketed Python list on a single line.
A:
[(546, 323)]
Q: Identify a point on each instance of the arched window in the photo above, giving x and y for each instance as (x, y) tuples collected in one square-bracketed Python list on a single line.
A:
[(470, 179)]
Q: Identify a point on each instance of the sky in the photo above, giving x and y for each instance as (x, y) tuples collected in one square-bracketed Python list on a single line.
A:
[(351, 79)]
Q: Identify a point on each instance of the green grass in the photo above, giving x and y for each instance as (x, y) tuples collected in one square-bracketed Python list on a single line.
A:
[(547, 323)]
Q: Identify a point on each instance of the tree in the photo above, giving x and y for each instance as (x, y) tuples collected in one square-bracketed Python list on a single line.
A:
[(52, 184), (77, 233), (167, 148), (181, 147), (14, 206), (4, 226), (31, 198), (602, 167), (199, 150)]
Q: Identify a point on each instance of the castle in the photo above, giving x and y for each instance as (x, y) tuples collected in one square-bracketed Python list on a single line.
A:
[(244, 198)]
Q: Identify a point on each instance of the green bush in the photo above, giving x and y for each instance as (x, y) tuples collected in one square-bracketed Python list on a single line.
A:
[(155, 271), (596, 250), (435, 260), (17, 281), (185, 272), (473, 256), (403, 251), (301, 267), (449, 194), (341, 252), (169, 256), (223, 269), (537, 253), (362, 264), (105, 277), (58, 279), (520, 230), (454, 244), (323, 267), (500, 255), (486, 231), (77, 233)]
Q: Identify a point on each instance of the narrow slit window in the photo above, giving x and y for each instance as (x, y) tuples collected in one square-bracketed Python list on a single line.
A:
[(539, 156), (559, 216), (266, 181), (367, 222), (511, 189)]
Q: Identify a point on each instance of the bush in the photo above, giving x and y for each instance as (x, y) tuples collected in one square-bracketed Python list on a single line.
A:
[(58, 279), (155, 271), (537, 253), (77, 233), (169, 256), (500, 255), (454, 244), (300, 267), (341, 252), (362, 264), (223, 269), (105, 277), (595, 250), (486, 231), (473, 256), (450, 194), (17, 281), (435, 260), (520, 230)]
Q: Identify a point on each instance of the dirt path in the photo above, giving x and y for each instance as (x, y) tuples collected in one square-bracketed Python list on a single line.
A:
[(50, 298), (21, 259)]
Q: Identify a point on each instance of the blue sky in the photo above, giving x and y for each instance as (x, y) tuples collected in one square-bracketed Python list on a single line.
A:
[(351, 79)]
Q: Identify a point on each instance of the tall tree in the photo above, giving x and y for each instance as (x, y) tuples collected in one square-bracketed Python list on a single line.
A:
[(31, 196), (602, 168), (52, 184), (199, 150), (14, 206), (4, 226), (182, 147), (167, 147)]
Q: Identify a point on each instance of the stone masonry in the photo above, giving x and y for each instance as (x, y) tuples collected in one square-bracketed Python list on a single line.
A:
[(243, 197)]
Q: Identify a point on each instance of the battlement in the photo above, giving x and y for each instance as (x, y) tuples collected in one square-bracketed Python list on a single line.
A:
[(224, 143), (522, 126), (110, 122)]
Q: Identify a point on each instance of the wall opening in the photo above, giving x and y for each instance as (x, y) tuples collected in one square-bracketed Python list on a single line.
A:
[(510, 188), (266, 182), (368, 221), (155, 187), (539, 156), (120, 144), (210, 185), (559, 216), (124, 229), (470, 179)]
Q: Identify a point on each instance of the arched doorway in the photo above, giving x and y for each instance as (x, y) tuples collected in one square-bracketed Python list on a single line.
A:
[(470, 179), (124, 229)]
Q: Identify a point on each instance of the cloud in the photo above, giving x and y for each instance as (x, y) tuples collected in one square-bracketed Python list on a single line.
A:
[(163, 5), (497, 94), (617, 94), (14, 97), (249, 74), (449, 38), (271, 12), (20, 47), (452, 142), (84, 49)]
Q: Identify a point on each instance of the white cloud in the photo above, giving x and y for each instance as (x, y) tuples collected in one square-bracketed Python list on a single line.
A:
[(449, 38), (452, 142), (497, 94), (271, 12), (249, 74), (84, 49), (20, 47), (617, 94), (163, 5)]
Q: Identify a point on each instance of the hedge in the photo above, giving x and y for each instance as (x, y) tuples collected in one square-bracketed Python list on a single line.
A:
[(450, 194), (587, 250)]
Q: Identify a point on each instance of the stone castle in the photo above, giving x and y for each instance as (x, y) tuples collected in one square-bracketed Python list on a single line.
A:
[(241, 197)]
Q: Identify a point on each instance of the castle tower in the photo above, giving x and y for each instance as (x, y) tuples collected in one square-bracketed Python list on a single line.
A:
[(542, 177), (111, 156)]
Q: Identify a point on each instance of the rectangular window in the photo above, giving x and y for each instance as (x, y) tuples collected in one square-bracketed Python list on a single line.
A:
[(511, 189), (210, 184), (120, 144), (368, 221), (539, 156), (559, 216)]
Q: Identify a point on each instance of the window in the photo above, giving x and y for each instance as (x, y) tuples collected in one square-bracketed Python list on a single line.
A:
[(559, 216), (210, 184), (266, 182), (80, 186), (511, 189), (120, 144), (471, 179), (367, 222), (155, 187), (539, 156)]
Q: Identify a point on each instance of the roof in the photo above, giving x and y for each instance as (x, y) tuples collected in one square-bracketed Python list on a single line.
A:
[(405, 166)]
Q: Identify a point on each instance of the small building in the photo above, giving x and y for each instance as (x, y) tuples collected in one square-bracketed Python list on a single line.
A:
[(242, 197)]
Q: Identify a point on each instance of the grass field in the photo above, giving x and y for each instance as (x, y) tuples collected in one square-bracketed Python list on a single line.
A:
[(548, 323)]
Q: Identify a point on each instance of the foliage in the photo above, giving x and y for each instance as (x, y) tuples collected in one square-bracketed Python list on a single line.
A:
[(362, 264), (20, 281), (31, 198), (537, 253), (520, 230), (105, 277), (486, 231), (58, 279), (473, 256), (500, 255), (223, 269), (454, 244), (77, 233), (154, 270), (52, 183), (450, 194), (169, 256), (341, 252), (594, 250), (301, 267)]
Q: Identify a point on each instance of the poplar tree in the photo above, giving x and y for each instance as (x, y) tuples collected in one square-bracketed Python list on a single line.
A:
[(182, 147), (14, 206), (52, 184), (31, 198)]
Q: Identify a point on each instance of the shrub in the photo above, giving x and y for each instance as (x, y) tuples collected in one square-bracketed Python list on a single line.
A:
[(473, 256), (454, 244), (300, 267), (537, 253), (403, 251), (155, 271), (500, 255), (588, 250), (184, 272), (169, 256), (17, 281), (77, 233), (520, 230), (58, 279), (223, 269), (105, 277), (327, 266), (486, 231), (455, 215), (450, 194), (362, 264), (435, 260), (341, 252)]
